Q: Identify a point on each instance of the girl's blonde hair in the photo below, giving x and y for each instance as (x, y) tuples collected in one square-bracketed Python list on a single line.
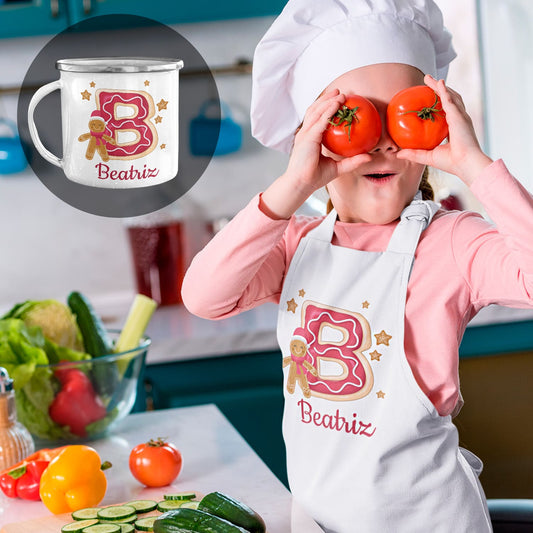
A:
[(425, 187)]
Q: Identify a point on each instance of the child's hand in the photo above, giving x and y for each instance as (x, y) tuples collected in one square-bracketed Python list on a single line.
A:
[(308, 169), (461, 155), (306, 160)]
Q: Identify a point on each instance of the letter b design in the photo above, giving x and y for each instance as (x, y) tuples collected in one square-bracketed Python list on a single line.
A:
[(128, 113), (337, 340)]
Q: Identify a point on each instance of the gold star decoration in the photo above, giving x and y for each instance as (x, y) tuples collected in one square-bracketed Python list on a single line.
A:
[(291, 305), (301, 293), (92, 84), (158, 119), (380, 394), (146, 83), (365, 305), (375, 355), (163, 146), (162, 104), (85, 95), (382, 338)]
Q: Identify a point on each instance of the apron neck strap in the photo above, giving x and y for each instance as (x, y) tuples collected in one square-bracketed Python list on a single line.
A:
[(414, 219), (324, 231)]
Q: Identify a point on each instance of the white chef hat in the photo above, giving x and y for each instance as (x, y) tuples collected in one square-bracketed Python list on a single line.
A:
[(313, 42)]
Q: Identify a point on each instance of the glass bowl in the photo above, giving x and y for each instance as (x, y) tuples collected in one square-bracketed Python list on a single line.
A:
[(81, 400)]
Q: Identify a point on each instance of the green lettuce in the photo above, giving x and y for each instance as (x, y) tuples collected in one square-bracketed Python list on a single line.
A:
[(24, 353)]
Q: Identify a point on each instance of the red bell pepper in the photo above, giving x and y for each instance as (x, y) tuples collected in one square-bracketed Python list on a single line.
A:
[(23, 481), (76, 405)]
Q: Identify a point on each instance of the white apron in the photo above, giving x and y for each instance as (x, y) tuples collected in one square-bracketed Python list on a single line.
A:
[(367, 452)]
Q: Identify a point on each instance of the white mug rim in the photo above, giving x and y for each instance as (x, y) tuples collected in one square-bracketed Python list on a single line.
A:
[(118, 64)]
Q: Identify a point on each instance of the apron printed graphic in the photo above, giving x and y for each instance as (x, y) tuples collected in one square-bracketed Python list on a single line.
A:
[(326, 354), (123, 127)]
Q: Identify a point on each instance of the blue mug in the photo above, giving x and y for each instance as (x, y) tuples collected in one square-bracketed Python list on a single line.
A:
[(210, 136), (12, 157)]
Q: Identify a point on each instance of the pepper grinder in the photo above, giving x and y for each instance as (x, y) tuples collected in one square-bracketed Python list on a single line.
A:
[(15, 440)]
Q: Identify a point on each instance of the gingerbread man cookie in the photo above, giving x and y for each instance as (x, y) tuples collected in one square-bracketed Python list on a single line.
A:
[(298, 365), (96, 136)]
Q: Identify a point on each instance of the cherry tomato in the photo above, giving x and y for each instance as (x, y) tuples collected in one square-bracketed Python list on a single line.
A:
[(415, 118), (354, 129), (155, 463)]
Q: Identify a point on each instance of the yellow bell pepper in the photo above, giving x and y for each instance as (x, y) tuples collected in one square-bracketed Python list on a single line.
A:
[(73, 480)]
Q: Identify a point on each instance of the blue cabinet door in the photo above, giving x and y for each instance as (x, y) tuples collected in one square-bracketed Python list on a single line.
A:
[(38, 17), (176, 12)]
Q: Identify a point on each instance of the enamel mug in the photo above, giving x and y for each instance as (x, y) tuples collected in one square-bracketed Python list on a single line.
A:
[(119, 120)]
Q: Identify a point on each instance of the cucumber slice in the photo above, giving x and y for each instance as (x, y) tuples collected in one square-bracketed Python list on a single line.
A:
[(126, 528), (190, 505), (180, 496), (86, 514), (102, 528), (78, 525), (146, 524), (170, 505), (116, 512), (143, 506), (128, 520)]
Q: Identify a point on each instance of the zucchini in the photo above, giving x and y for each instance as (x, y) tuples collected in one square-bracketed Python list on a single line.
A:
[(190, 504), (95, 337), (230, 509), (102, 528), (86, 514), (180, 496), (185, 520), (169, 505), (97, 343), (116, 512), (78, 525), (126, 528), (143, 506), (145, 524)]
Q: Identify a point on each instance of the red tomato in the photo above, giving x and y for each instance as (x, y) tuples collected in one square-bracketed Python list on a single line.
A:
[(354, 129), (155, 463), (415, 118)]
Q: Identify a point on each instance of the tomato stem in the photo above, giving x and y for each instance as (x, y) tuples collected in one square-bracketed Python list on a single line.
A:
[(160, 441), (105, 465), (345, 114), (427, 112)]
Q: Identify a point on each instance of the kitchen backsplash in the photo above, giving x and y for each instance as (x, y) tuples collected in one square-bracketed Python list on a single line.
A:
[(49, 248)]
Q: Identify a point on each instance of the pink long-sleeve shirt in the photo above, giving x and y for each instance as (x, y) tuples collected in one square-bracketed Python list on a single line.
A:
[(462, 264)]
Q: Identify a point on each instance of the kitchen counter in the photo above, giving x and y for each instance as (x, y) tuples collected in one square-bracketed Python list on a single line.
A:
[(178, 335), (215, 457)]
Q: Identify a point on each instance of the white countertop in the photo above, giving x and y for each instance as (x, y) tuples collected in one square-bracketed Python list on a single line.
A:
[(215, 458)]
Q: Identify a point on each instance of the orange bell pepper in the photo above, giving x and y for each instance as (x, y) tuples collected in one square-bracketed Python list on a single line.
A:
[(74, 480)]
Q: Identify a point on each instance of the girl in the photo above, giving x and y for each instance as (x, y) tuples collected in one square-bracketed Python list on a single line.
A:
[(375, 297)]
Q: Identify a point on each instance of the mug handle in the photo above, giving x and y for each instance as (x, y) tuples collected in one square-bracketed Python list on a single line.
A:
[(36, 98)]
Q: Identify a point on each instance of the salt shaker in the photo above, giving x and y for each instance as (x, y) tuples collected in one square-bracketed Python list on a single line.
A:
[(15, 440)]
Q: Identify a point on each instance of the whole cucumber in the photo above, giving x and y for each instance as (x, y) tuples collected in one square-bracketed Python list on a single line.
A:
[(229, 508), (97, 343), (183, 520), (95, 337)]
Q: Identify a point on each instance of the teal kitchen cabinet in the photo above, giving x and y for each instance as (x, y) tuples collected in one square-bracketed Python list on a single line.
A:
[(181, 11), (38, 17), (20, 18)]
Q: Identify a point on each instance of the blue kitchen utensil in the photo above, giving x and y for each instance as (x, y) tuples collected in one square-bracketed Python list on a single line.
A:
[(213, 136), (12, 158)]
